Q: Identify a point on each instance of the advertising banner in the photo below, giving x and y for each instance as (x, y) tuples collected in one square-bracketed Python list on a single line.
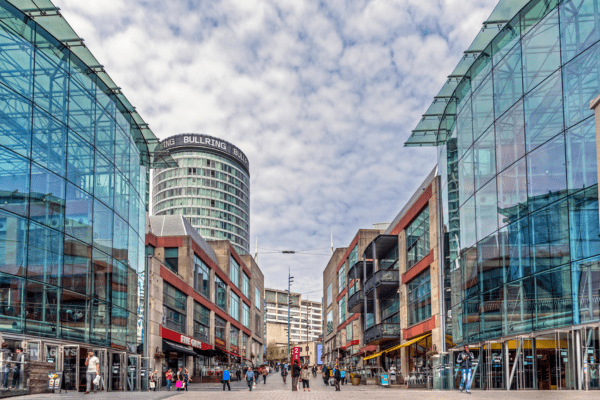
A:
[(54, 380), (296, 354), (319, 354), (183, 339)]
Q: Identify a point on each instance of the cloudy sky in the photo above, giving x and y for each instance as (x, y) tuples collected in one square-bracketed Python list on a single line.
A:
[(319, 95)]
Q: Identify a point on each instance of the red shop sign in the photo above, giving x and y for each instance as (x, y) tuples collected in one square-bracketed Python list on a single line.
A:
[(220, 343), (183, 339), (352, 343)]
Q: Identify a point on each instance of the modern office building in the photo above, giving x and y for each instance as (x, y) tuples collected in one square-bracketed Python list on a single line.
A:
[(305, 318), (211, 188), (205, 301), (516, 142), (74, 162)]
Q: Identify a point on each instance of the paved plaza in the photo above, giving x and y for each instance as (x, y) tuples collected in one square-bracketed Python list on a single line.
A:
[(276, 390)]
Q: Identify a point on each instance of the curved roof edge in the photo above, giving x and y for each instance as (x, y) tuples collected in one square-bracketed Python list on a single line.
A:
[(48, 16), (426, 133)]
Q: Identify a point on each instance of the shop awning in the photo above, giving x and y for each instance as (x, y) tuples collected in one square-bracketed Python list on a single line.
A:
[(412, 341), (178, 348)]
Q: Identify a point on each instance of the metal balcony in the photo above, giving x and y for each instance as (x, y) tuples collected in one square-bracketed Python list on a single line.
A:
[(385, 281), (382, 332), (356, 302)]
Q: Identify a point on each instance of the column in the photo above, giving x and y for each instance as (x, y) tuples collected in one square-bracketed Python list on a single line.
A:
[(595, 105)]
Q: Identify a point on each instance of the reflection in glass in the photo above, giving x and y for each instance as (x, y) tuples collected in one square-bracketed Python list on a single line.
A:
[(47, 198), (14, 182), (41, 309), (45, 254), (541, 51), (550, 236), (15, 122), (544, 112), (484, 158), (512, 193), (74, 319), (49, 142), (13, 244), (483, 107), (508, 81), (11, 303), (486, 210), (582, 167), (581, 78), (546, 173), (579, 26), (78, 214), (583, 220), (586, 287), (515, 249), (553, 302)]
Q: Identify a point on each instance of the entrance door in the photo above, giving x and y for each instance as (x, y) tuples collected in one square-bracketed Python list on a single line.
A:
[(52, 355), (521, 363), (545, 356), (102, 357), (492, 366), (566, 349), (116, 364), (133, 372), (71, 367)]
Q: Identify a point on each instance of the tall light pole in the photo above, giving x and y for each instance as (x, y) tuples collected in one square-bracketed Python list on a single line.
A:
[(290, 280)]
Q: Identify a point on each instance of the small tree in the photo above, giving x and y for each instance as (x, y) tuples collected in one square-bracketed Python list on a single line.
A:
[(274, 352)]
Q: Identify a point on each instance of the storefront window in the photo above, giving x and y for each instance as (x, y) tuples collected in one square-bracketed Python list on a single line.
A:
[(201, 322), (220, 326), (174, 304), (220, 293), (234, 332), (419, 299), (201, 277)]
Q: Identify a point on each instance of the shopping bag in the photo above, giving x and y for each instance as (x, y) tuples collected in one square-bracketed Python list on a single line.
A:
[(97, 380), (152, 385), (178, 384)]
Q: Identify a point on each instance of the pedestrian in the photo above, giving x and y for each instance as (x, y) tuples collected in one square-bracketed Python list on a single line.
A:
[(250, 378), (93, 368), (169, 378), (314, 371), (393, 374), (305, 376), (284, 374), (238, 374), (343, 375), (226, 379), (265, 372), (153, 378), (295, 376), (5, 360), (325, 375), (186, 378), (179, 379), (465, 359), (337, 377)]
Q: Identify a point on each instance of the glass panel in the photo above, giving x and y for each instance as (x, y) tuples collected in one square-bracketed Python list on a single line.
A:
[(581, 81), (47, 198), (486, 210), (45, 255), (78, 214), (74, 319), (544, 112), (120, 238), (103, 229), (16, 61), (41, 309), (118, 326), (15, 122), (467, 223), (466, 177), (118, 282), (581, 156), (483, 107), (541, 51), (490, 263), (550, 245), (506, 39), (51, 87), (579, 26), (481, 68), (491, 314), (81, 111), (105, 181), (99, 323), (518, 313), (516, 256), (50, 142), (484, 158), (586, 285), (546, 173), (14, 182), (80, 163), (102, 264), (554, 305), (512, 193), (583, 219), (464, 129), (11, 304), (77, 266), (13, 244), (121, 195), (122, 152), (508, 81)]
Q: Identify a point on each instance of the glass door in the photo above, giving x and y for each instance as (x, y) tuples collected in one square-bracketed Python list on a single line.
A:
[(493, 366), (70, 367), (133, 372), (116, 362), (566, 361), (102, 357), (546, 362), (52, 355)]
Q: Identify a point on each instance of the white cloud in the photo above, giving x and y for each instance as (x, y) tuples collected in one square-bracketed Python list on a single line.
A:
[(320, 96)]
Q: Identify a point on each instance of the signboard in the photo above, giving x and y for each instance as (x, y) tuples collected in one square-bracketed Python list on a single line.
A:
[(209, 142), (384, 380), (220, 343), (352, 343), (296, 354), (55, 380), (183, 339), (319, 354), (235, 349)]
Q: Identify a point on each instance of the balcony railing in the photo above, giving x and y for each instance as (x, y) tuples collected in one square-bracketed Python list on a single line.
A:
[(380, 332), (356, 302), (387, 279)]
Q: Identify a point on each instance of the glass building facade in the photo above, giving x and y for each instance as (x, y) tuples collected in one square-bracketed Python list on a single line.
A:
[(74, 159), (211, 188), (517, 155)]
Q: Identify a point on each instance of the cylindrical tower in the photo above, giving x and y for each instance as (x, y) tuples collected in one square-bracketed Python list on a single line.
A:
[(211, 187)]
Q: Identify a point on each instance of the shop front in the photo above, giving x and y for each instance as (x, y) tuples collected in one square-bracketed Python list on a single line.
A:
[(182, 351)]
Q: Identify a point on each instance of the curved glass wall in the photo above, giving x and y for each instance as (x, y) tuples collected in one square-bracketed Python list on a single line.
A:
[(72, 195), (519, 177), (211, 191)]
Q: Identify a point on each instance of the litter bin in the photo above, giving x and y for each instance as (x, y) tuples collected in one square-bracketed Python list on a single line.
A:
[(355, 379)]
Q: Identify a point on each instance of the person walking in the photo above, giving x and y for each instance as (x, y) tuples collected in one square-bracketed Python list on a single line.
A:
[(186, 378), (169, 378), (337, 377), (226, 379), (393, 375), (325, 375), (250, 378), (284, 374), (465, 359), (265, 372), (295, 376), (153, 382), (238, 374), (93, 368), (314, 371), (343, 375), (305, 376)]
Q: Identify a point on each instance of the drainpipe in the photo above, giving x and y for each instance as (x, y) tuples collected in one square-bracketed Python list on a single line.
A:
[(441, 253)]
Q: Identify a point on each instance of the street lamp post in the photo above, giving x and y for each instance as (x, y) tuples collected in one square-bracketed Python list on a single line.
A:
[(290, 280)]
